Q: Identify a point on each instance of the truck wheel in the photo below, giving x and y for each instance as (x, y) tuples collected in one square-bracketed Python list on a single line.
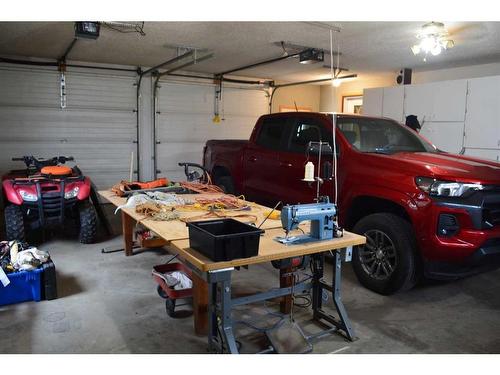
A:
[(88, 222), (226, 184), (387, 263), (14, 223)]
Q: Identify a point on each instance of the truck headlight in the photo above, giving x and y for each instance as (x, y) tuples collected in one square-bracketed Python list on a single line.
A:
[(28, 197), (72, 193), (446, 188)]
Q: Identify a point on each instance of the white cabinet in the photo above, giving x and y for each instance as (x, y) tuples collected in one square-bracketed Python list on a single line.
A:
[(392, 104), (482, 122), (447, 136), (483, 153), (372, 101), (438, 101), (386, 102)]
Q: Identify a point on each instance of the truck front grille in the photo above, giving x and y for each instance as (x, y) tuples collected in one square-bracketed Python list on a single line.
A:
[(491, 207)]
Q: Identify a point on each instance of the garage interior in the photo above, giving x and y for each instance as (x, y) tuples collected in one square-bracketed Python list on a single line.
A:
[(144, 96)]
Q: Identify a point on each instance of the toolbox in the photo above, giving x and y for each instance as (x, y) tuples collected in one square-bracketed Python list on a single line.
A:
[(24, 286), (224, 239)]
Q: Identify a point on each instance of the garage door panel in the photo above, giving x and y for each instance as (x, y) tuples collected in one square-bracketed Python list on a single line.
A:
[(25, 88), (186, 98), (174, 153), (84, 91), (98, 127), (109, 162), (185, 121), (244, 102), (18, 124), (174, 126)]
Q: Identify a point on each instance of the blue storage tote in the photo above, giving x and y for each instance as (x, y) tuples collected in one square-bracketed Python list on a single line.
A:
[(24, 286)]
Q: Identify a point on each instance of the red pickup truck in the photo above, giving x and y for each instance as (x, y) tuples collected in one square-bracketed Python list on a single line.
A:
[(424, 212)]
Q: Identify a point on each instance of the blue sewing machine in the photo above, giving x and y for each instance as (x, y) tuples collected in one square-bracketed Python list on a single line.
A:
[(320, 214)]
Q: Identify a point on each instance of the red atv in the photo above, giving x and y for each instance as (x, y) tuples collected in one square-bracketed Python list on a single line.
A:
[(48, 194)]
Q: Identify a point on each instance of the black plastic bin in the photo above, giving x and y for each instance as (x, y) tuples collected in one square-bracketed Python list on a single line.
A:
[(224, 239)]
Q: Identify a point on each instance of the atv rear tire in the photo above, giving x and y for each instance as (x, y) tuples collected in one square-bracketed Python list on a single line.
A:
[(88, 222), (14, 223)]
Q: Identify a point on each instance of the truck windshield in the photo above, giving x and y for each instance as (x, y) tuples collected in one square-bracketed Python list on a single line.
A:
[(381, 136)]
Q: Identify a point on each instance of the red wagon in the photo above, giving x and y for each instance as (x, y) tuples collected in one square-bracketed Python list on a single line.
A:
[(168, 293)]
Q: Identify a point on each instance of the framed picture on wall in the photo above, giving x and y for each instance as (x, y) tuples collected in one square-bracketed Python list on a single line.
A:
[(352, 104)]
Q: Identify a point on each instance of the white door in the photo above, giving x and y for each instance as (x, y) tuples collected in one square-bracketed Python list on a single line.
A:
[(372, 102), (437, 102), (482, 122), (447, 136), (392, 105), (184, 122), (98, 126), (484, 153)]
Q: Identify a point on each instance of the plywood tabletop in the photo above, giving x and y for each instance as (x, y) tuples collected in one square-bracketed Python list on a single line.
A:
[(269, 250), (176, 229)]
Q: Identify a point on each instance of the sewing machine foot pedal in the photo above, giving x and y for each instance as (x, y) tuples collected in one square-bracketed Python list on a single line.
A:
[(288, 338)]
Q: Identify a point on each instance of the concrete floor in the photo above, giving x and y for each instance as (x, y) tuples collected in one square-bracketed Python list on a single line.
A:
[(108, 304)]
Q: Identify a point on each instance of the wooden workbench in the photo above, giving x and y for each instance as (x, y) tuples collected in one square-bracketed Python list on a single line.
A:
[(175, 233), (216, 309), (176, 229), (269, 250)]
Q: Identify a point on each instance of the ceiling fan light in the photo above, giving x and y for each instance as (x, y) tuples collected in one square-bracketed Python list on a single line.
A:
[(415, 49), (336, 82), (427, 44), (436, 50), (449, 44)]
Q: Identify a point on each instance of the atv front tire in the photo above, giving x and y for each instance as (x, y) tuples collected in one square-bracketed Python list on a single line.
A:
[(14, 223), (88, 222)]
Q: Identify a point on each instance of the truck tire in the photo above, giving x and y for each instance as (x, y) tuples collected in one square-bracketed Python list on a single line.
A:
[(14, 223), (88, 222), (226, 184), (387, 263)]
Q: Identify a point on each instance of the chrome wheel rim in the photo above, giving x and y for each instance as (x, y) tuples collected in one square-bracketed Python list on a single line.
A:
[(378, 256)]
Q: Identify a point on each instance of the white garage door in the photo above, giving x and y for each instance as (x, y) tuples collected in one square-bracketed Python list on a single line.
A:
[(184, 123), (98, 126)]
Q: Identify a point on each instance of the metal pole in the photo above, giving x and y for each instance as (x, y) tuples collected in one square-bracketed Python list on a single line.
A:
[(192, 62), (260, 63), (68, 50), (171, 61), (314, 81)]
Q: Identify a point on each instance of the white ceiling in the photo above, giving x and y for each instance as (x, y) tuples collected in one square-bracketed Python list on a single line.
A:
[(366, 47)]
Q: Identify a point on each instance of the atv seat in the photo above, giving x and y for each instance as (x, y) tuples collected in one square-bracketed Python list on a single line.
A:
[(57, 170)]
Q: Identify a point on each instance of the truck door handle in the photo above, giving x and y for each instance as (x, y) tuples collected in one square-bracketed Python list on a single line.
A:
[(286, 164), (252, 159)]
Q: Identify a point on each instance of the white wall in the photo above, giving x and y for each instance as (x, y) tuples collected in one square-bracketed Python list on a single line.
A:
[(307, 96), (331, 97), (464, 72)]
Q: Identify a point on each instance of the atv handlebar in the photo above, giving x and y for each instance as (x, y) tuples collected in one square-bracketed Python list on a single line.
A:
[(32, 162)]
